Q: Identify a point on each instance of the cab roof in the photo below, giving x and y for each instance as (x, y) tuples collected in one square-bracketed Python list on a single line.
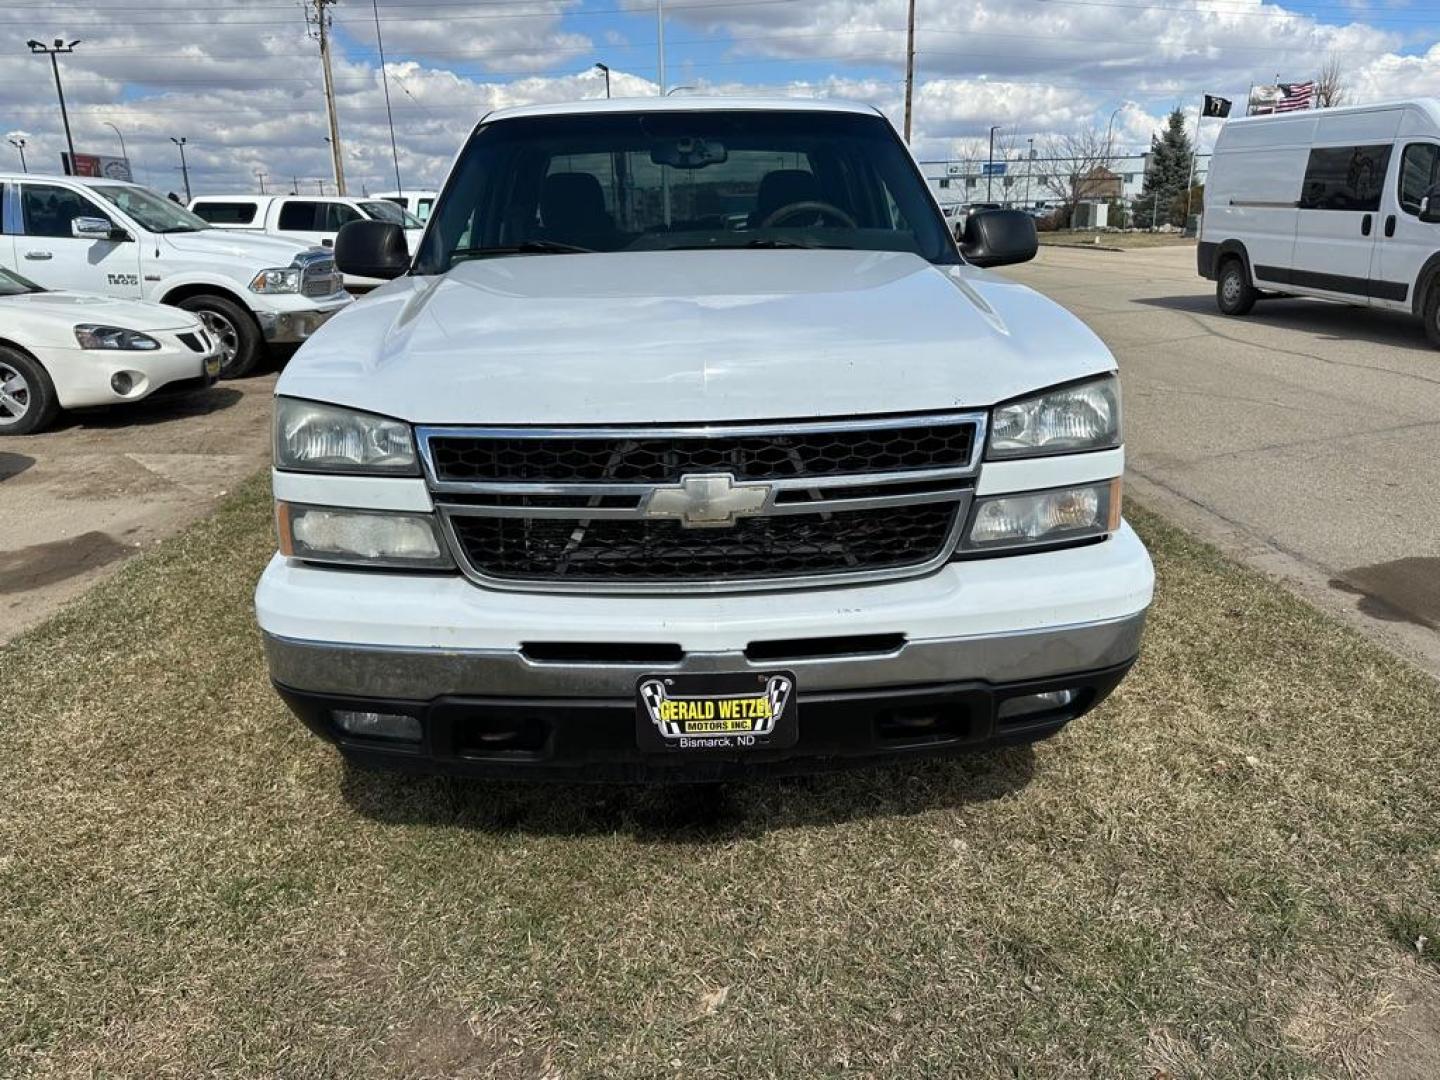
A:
[(88, 181), (1427, 107), (684, 104)]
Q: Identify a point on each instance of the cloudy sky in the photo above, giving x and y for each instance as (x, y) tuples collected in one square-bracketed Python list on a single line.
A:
[(240, 80)]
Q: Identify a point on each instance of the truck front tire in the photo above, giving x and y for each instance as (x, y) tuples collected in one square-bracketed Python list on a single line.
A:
[(27, 396), (234, 330), (1234, 295)]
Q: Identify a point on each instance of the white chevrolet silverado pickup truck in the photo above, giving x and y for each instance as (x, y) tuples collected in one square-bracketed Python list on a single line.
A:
[(690, 446), (109, 238)]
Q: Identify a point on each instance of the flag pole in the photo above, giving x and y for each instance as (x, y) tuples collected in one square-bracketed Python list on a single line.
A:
[(1194, 153)]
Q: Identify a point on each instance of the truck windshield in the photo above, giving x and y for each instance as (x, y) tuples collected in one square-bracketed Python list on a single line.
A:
[(155, 213), (381, 210), (648, 181), (12, 284)]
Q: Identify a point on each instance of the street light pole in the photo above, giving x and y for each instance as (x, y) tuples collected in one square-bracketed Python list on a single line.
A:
[(184, 169), (119, 135), (1029, 168), (53, 51), (19, 144), (605, 68), (990, 168), (660, 40)]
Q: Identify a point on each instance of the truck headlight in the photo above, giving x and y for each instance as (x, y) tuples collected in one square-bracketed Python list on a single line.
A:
[(91, 336), (311, 437), (1044, 517), (1072, 419), (348, 537), (280, 279)]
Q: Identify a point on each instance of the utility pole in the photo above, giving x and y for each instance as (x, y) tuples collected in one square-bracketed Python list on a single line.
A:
[(909, 68), (19, 143), (53, 50), (184, 169), (385, 82), (322, 31), (260, 175)]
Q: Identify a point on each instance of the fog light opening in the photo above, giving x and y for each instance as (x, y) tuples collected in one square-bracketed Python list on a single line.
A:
[(377, 725), (1034, 704), (122, 382)]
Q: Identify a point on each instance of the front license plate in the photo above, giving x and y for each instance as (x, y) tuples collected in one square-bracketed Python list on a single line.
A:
[(716, 711)]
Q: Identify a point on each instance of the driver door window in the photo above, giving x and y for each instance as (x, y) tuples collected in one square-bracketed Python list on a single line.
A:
[(49, 255)]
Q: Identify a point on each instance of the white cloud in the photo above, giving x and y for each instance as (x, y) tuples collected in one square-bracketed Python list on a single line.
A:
[(242, 82)]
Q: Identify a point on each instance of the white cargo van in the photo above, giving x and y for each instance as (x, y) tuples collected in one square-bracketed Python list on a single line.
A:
[(1342, 204)]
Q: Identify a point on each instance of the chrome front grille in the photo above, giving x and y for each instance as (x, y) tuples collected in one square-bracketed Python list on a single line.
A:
[(640, 458), (319, 278), (710, 507)]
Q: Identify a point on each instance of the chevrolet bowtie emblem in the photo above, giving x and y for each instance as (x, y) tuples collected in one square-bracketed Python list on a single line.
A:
[(707, 501)]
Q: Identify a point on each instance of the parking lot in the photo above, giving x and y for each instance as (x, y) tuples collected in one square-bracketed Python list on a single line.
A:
[(1300, 439), (106, 484)]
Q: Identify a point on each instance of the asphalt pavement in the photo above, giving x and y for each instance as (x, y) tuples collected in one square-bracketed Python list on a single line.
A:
[(1302, 438)]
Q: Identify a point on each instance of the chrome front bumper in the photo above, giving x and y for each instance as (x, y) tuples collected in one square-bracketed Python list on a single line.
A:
[(423, 674), (288, 327)]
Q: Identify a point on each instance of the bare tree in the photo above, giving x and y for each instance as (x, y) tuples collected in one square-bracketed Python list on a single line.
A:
[(1077, 167), (1331, 88)]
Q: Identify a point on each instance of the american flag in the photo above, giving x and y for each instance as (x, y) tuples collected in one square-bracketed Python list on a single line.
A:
[(1295, 96)]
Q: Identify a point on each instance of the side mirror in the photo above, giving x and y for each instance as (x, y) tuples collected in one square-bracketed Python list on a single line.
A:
[(999, 237), (372, 249), (1430, 207), (96, 228)]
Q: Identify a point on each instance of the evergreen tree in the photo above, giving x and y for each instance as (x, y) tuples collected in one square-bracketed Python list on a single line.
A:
[(1167, 175)]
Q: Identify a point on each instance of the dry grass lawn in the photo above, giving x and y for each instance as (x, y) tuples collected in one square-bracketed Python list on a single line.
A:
[(1222, 873)]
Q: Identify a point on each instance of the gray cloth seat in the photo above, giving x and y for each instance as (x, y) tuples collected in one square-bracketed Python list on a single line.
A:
[(783, 187), (573, 205)]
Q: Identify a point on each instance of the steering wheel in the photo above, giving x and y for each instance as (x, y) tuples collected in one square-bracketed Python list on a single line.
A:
[(820, 209)]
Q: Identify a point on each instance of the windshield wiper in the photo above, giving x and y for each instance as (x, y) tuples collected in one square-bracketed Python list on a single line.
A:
[(525, 247)]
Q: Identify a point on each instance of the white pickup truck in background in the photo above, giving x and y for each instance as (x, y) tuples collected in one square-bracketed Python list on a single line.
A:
[(108, 238), (311, 219)]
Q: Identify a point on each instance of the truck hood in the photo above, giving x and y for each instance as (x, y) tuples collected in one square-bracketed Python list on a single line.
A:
[(691, 336), (70, 309), (257, 248)]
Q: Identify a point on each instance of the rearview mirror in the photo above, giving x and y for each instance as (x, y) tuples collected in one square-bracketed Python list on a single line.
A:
[(999, 237), (372, 249), (688, 152), (96, 228), (1430, 207)]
